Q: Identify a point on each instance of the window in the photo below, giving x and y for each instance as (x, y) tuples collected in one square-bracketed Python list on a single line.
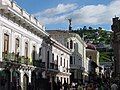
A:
[(67, 44), (26, 50), (16, 46), (6, 43), (61, 61), (57, 59), (64, 80), (33, 56), (71, 60), (74, 45), (61, 79), (52, 57), (64, 62), (67, 65), (71, 44), (74, 60), (40, 49)]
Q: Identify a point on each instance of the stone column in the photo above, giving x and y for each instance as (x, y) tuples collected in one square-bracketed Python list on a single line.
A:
[(12, 42), (22, 47), (29, 76)]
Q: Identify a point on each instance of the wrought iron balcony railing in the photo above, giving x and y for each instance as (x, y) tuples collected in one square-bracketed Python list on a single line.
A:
[(53, 66), (12, 57), (38, 63)]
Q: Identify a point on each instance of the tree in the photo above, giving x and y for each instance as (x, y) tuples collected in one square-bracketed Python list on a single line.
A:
[(90, 28), (100, 28), (84, 28)]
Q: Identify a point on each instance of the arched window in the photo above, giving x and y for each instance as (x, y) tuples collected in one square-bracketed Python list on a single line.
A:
[(71, 44), (57, 59), (52, 57), (40, 51), (67, 44)]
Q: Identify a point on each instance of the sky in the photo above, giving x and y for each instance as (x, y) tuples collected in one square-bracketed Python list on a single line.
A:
[(54, 14)]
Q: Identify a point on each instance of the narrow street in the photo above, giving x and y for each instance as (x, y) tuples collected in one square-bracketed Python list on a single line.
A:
[(59, 45)]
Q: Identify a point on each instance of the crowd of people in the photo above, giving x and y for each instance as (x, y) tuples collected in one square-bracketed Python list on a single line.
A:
[(99, 84)]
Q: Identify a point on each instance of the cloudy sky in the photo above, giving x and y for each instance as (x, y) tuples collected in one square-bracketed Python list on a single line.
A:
[(54, 13)]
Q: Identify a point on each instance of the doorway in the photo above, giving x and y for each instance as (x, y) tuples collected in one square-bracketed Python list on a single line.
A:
[(25, 81)]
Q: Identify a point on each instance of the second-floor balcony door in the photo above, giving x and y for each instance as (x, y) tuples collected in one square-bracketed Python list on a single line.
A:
[(17, 48), (33, 53), (6, 43), (26, 50)]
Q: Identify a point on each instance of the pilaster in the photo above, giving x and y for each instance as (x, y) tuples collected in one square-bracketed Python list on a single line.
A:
[(1, 41), (29, 76), (22, 46), (12, 42)]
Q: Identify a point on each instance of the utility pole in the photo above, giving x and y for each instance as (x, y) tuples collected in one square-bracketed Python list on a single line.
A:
[(70, 21)]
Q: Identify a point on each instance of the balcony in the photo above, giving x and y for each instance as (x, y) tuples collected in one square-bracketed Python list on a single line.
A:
[(38, 63), (53, 66), (12, 57), (56, 67)]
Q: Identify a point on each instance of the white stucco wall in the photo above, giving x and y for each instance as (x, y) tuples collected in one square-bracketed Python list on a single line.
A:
[(79, 53), (15, 31)]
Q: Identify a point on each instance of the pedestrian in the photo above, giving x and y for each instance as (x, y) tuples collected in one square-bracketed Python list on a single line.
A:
[(80, 87), (54, 85), (76, 86), (19, 87), (90, 87), (59, 85), (30, 86), (73, 85), (65, 85), (114, 86)]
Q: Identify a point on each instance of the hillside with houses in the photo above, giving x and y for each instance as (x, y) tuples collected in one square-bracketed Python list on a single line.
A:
[(100, 38)]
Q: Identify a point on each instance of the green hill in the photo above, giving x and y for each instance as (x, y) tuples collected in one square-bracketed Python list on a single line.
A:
[(100, 38)]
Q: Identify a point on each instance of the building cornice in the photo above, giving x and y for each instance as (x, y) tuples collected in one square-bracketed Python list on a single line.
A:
[(69, 34), (24, 16), (60, 46)]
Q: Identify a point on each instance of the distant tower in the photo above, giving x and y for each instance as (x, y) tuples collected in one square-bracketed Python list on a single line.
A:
[(70, 21)]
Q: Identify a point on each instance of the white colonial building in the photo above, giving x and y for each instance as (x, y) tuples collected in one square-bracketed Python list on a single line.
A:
[(78, 49), (21, 37), (61, 56), (57, 58), (28, 55)]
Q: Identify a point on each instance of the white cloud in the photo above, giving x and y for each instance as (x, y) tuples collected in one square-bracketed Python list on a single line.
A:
[(60, 9), (89, 14)]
